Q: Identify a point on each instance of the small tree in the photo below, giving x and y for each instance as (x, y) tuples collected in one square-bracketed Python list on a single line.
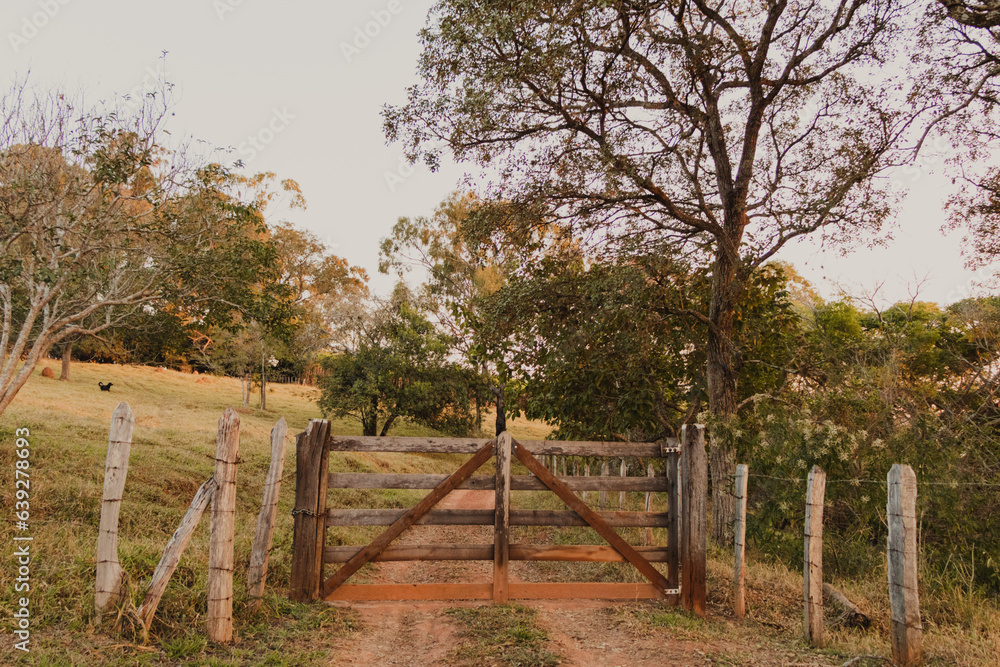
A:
[(397, 367)]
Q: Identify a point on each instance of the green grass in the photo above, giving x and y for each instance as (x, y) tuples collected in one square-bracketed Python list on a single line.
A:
[(173, 446), (501, 635), (172, 454)]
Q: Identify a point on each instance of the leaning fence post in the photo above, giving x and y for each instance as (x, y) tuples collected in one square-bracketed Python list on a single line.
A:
[(902, 553), (813, 553), (109, 571), (172, 552), (311, 479), (222, 529), (257, 571), (694, 533), (739, 541)]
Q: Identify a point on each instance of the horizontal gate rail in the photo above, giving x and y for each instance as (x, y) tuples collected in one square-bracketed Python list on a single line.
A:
[(375, 480), (463, 517), (557, 591), (586, 553), (417, 445)]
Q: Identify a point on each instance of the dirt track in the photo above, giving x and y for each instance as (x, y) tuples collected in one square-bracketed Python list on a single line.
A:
[(586, 633)]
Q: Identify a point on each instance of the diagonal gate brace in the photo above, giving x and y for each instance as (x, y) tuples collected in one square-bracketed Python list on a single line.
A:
[(379, 544), (592, 518)]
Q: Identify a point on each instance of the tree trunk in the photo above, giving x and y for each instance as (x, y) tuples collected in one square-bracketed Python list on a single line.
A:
[(67, 357), (722, 382), (388, 423), (499, 393), (263, 380)]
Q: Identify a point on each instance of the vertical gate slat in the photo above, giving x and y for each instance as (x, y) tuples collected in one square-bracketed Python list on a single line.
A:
[(674, 509), (501, 533)]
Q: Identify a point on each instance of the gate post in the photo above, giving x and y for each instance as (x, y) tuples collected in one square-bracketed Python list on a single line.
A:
[(501, 522), (311, 479), (694, 489)]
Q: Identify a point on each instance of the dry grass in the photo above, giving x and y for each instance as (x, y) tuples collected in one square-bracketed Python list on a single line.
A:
[(172, 454)]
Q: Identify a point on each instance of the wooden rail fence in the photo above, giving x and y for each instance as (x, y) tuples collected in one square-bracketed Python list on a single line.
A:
[(312, 516)]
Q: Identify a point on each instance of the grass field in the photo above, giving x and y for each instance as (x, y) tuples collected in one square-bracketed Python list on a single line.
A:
[(172, 454)]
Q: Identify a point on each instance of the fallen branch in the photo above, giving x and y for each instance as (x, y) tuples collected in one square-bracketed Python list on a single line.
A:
[(851, 616)]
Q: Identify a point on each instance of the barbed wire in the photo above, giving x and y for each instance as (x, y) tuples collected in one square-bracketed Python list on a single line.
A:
[(882, 482)]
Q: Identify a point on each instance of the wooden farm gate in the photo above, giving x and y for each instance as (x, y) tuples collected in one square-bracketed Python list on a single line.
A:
[(312, 516)]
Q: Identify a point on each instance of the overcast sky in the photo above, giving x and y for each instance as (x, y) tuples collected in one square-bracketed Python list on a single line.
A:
[(296, 87)]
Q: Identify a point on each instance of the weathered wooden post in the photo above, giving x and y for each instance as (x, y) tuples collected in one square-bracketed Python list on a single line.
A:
[(501, 532), (311, 480), (739, 539), (694, 523), (223, 527), (813, 556), (257, 570), (621, 494), (672, 470), (602, 495), (586, 473), (901, 511), (109, 571), (172, 553), (649, 503)]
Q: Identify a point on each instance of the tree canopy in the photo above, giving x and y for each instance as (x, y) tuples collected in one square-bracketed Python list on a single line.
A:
[(725, 131)]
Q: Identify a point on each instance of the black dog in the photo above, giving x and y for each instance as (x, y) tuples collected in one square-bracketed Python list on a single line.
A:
[(104, 387)]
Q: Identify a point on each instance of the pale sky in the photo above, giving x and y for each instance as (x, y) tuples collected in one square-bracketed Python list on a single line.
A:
[(306, 81)]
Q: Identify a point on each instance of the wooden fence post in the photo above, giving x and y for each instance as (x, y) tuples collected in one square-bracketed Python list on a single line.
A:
[(602, 495), (172, 552), (812, 570), (501, 525), (586, 473), (311, 478), (649, 503), (739, 539), (109, 571), (904, 600), (223, 527), (621, 494), (257, 570), (694, 526), (672, 470)]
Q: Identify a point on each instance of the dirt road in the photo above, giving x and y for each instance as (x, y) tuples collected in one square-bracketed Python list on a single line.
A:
[(585, 633)]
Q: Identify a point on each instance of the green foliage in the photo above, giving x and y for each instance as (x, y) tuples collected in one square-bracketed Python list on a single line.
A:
[(398, 367), (909, 384), (616, 349)]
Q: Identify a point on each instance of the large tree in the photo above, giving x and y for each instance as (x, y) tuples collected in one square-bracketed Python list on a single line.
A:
[(726, 130), (98, 221)]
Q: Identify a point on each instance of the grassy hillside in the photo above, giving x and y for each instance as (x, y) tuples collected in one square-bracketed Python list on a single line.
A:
[(172, 454), (173, 448)]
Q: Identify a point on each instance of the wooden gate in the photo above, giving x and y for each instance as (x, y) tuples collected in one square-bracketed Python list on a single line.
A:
[(684, 550)]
